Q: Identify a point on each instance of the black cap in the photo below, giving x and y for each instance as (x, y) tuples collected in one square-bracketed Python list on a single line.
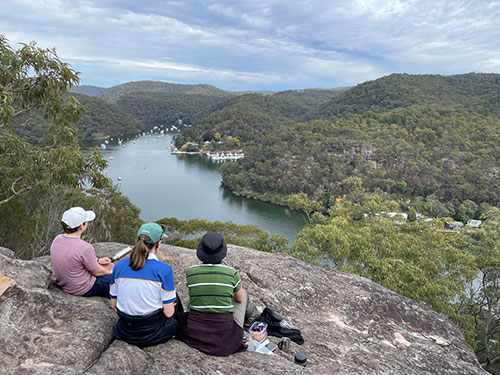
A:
[(212, 248), (300, 358)]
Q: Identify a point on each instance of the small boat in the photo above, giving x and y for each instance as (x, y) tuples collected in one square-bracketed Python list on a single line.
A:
[(119, 178), (111, 158)]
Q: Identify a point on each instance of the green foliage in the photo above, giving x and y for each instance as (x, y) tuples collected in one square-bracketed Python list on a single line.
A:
[(467, 210), (35, 79), (444, 155), (99, 121), (188, 234), (477, 92), (116, 92), (34, 219), (478, 308), (252, 117), (412, 214), (455, 273), (155, 109), (414, 259), (302, 202), (39, 182)]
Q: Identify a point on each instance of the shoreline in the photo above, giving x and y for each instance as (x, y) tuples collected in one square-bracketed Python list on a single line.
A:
[(203, 152)]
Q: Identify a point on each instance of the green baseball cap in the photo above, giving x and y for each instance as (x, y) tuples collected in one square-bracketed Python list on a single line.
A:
[(153, 231)]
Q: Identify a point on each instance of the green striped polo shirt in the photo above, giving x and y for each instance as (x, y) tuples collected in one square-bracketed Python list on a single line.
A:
[(212, 287)]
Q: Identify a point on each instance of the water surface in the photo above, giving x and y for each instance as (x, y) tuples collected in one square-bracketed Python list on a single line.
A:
[(187, 187)]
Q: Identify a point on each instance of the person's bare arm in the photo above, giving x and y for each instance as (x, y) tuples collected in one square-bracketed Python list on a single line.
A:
[(113, 303), (102, 270), (239, 296), (104, 261), (168, 309)]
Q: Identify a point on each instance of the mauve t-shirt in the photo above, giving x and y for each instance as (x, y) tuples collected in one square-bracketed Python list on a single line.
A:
[(72, 259)]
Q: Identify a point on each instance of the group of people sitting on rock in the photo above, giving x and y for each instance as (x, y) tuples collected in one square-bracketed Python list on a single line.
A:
[(141, 288)]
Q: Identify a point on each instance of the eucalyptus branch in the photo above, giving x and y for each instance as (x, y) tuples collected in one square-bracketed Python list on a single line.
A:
[(495, 359), (21, 111), (15, 193)]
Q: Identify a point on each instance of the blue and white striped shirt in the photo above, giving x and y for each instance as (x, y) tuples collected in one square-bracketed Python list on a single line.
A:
[(143, 291)]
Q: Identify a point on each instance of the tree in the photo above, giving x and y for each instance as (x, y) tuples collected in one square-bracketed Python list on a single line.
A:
[(467, 210), (412, 214), (411, 258), (478, 309), (32, 78), (303, 203)]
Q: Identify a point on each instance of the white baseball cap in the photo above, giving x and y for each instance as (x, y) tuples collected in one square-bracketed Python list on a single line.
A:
[(76, 216)]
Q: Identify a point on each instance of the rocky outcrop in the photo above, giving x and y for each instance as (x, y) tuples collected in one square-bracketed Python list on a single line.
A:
[(350, 324)]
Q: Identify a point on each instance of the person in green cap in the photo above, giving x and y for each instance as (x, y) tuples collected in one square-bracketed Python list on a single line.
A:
[(143, 293)]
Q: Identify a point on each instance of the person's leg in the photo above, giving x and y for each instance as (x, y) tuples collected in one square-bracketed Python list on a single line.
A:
[(251, 312), (100, 287), (240, 310)]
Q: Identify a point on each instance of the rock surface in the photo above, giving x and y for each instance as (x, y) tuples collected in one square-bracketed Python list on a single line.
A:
[(350, 324)]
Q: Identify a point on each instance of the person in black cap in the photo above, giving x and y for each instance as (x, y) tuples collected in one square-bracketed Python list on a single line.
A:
[(217, 302)]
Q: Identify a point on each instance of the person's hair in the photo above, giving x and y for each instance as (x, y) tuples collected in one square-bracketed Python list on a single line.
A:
[(67, 229), (140, 252)]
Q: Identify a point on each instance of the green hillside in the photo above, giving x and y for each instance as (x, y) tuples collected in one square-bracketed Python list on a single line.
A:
[(87, 90), (252, 116), (477, 92), (312, 97), (100, 120), (416, 137), (415, 151), (103, 119), (114, 93), (166, 108)]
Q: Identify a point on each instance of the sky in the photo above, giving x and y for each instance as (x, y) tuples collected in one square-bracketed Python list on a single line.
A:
[(259, 45)]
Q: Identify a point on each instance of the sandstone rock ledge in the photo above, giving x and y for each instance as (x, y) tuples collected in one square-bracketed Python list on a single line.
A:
[(350, 324)]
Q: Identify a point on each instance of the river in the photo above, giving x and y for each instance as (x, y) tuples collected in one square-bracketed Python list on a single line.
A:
[(187, 187)]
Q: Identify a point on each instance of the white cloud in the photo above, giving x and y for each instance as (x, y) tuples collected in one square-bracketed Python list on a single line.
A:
[(299, 43)]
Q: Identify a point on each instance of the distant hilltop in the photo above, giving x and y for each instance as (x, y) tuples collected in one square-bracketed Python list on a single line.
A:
[(112, 94), (87, 90)]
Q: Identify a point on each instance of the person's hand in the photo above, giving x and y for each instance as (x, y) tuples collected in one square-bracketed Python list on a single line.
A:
[(104, 261)]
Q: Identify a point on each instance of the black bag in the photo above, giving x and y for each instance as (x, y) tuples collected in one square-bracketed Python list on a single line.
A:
[(274, 328)]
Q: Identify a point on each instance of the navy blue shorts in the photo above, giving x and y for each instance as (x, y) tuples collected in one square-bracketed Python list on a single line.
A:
[(101, 287)]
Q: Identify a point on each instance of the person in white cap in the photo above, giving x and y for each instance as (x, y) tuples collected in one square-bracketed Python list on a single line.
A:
[(74, 261)]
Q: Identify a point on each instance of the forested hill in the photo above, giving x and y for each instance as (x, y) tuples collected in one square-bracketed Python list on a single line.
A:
[(103, 119), (166, 108), (477, 92), (114, 93), (432, 140), (312, 97), (87, 90), (252, 116), (100, 120)]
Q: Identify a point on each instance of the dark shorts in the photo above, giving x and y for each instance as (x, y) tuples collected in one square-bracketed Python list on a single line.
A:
[(145, 330), (100, 287)]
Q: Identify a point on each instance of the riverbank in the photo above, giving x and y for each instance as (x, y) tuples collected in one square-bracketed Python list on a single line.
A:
[(204, 152)]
